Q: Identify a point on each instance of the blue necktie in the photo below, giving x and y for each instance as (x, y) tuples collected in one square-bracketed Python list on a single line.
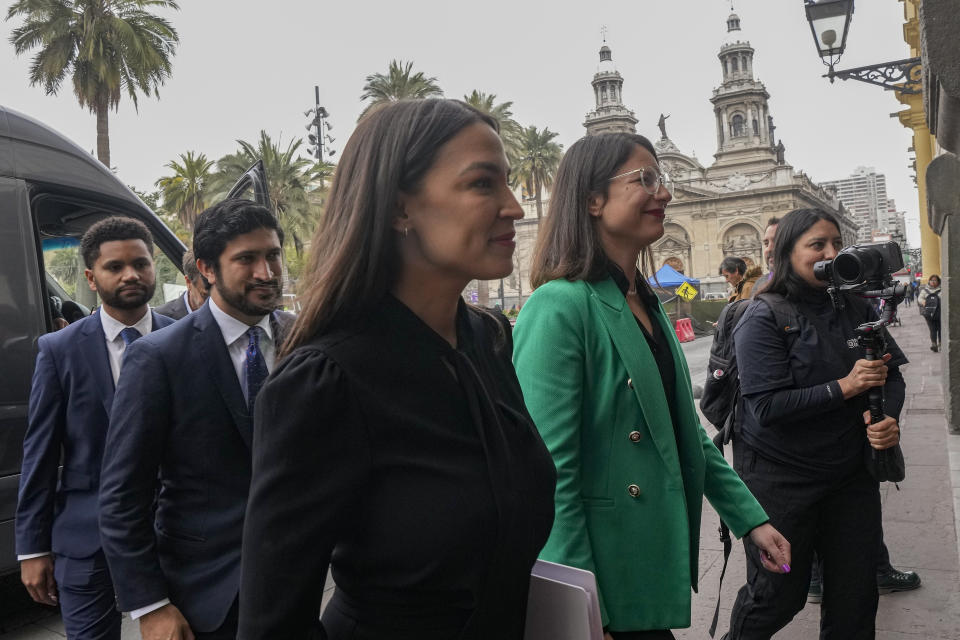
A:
[(256, 366), (129, 334)]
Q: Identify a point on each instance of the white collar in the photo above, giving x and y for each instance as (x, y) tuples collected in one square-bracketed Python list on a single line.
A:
[(232, 329), (112, 327)]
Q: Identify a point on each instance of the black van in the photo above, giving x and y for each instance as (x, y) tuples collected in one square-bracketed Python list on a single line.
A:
[(51, 191)]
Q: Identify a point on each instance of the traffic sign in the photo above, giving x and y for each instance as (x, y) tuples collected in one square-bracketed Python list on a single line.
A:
[(686, 291)]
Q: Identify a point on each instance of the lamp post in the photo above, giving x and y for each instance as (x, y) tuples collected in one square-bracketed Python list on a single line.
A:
[(829, 23), (321, 126)]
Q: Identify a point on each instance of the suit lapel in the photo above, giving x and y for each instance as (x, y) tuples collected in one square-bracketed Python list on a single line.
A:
[(635, 354), (209, 341), (94, 347)]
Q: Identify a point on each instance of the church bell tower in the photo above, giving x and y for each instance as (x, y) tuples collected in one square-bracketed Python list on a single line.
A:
[(744, 124), (610, 115)]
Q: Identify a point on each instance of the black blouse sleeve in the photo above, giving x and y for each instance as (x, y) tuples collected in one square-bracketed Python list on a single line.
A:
[(310, 457)]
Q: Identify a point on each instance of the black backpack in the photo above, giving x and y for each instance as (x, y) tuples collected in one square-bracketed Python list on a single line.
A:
[(721, 392)]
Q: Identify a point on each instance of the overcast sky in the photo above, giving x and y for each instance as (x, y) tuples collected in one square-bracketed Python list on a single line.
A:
[(246, 65)]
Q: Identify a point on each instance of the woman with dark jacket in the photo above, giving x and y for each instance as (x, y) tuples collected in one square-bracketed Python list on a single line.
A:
[(804, 438), (929, 303), (608, 388), (392, 443)]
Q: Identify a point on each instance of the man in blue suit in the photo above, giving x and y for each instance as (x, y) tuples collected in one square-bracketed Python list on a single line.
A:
[(57, 534), (184, 409)]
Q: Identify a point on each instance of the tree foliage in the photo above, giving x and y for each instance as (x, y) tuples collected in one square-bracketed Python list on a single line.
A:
[(399, 83), (290, 179), (186, 192), (537, 162), (502, 112), (107, 47)]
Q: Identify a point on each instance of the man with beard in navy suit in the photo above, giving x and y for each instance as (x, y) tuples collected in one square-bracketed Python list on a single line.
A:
[(184, 409), (71, 399)]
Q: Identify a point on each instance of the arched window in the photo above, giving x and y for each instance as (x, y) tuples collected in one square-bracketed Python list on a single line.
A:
[(603, 93), (736, 126), (734, 62), (756, 127)]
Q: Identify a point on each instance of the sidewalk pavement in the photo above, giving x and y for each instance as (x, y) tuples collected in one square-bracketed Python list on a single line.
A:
[(919, 521)]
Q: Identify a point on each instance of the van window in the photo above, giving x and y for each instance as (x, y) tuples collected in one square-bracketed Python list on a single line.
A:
[(61, 223)]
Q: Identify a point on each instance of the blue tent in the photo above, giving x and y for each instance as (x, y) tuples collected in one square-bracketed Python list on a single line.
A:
[(669, 278)]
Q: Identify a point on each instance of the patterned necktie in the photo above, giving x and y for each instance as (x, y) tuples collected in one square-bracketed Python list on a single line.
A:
[(129, 334), (256, 366)]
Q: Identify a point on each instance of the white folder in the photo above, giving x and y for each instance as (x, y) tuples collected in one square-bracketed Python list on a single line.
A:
[(562, 604)]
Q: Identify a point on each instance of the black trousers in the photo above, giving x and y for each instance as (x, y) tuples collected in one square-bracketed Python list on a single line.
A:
[(934, 325), (837, 518)]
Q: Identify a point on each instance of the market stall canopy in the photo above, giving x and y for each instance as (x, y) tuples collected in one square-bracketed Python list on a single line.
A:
[(668, 277)]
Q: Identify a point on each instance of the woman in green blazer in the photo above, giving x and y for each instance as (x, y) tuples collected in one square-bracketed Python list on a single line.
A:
[(608, 387)]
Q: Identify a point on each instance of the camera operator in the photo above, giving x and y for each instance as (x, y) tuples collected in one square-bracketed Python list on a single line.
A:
[(805, 435)]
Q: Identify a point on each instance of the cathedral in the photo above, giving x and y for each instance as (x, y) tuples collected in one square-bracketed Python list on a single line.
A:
[(717, 211), (722, 210)]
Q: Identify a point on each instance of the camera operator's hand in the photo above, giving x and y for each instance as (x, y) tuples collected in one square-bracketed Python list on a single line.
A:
[(865, 375), (884, 434)]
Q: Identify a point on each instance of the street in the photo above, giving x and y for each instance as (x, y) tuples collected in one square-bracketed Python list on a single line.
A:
[(920, 527)]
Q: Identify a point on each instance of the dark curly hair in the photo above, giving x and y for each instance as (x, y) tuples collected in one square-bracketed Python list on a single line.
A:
[(108, 230), (223, 222)]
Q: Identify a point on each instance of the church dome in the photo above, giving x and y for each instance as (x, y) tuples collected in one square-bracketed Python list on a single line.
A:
[(606, 60), (734, 30)]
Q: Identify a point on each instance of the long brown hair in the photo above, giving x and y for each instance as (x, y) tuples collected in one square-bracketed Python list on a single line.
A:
[(569, 244), (355, 255)]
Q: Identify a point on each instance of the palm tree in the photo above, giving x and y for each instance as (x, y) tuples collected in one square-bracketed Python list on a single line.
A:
[(537, 162), (186, 192), (398, 84), (108, 47), (290, 178), (510, 130)]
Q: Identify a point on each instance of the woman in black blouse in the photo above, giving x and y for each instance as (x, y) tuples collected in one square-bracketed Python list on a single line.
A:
[(392, 443)]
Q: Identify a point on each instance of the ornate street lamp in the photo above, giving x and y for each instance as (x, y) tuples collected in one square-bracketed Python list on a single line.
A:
[(829, 22)]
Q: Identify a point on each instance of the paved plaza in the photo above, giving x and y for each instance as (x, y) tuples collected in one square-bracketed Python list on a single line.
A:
[(920, 527)]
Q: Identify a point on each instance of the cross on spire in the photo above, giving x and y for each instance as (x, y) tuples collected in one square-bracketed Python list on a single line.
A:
[(603, 32)]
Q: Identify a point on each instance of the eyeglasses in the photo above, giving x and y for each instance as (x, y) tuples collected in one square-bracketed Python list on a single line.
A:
[(651, 178)]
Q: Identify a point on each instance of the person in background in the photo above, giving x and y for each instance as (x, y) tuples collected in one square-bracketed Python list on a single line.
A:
[(608, 387), (929, 302), (57, 535), (733, 270), (193, 298), (804, 438), (392, 445), (183, 412)]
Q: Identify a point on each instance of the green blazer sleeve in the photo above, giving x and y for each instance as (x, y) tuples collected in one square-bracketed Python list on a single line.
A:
[(548, 354), (727, 493)]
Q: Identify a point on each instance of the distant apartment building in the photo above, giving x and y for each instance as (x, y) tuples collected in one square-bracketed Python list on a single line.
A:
[(896, 224), (865, 196)]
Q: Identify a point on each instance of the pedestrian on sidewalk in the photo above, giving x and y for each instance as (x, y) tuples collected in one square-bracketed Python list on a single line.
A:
[(804, 439), (392, 444), (929, 303), (608, 388), (71, 399)]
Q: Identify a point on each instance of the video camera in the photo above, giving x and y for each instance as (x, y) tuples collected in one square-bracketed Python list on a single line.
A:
[(861, 265), (866, 270)]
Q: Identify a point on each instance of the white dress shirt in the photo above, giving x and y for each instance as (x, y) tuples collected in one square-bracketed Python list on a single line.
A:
[(115, 348), (115, 344), (234, 334), (186, 303)]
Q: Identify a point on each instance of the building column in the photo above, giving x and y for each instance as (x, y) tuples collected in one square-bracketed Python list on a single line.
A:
[(914, 118)]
